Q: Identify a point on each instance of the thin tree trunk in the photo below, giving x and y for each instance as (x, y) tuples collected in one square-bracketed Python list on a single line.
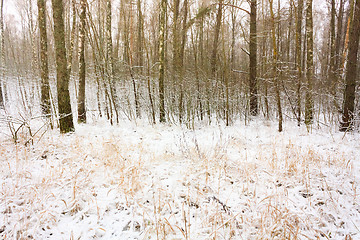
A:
[(140, 41), (44, 69), (332, 68), (346, 43), (253, 59), (72, 36), (149, 85), (298, 61), (110, 60), (82, 64), (339, 37), (181, 60), (2, 50), (216, 38), (309, 103), (275, 67), (163, 9)]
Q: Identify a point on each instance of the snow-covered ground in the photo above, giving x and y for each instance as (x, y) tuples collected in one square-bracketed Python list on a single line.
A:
[(137, 181)]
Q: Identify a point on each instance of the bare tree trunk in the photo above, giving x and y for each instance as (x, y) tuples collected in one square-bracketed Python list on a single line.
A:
[(82, 64), (152, 108), (332, 68), (126, 33), (351, 72), (216, 38), (299, 16), (253, 59), (339, 37), (176, 55), (72, 36), (65, 113), (181, 60), (140, 26), (275, 67), (346, 40), (110, 60), (163, 10), (2, 51), (44, 69), (309, 103)]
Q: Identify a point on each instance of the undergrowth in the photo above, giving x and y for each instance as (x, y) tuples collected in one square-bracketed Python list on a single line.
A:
[(204, 190)]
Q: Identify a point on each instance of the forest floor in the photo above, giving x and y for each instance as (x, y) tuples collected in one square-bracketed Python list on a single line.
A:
[(137, 181)]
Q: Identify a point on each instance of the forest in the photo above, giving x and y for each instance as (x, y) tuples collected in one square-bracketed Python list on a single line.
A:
[(179, 119)]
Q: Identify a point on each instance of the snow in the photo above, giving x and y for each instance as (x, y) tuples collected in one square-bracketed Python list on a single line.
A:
[(141, 181)]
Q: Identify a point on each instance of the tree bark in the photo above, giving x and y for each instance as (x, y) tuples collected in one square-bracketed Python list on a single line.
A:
[(216, 38), (44, 69), (140, 26), (298, 61), (332, 68), (253, 59), (163, 9), (2, 51), (339, 37), (309, 103), (82, 64), (275, 67), (351, 72), (110, 60), (62, 74)]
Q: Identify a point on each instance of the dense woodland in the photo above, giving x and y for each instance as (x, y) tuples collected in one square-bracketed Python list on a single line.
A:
[(179, 119), (182, 61)]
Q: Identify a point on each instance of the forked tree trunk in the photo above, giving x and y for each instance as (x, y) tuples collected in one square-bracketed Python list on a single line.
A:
[(62, 75)]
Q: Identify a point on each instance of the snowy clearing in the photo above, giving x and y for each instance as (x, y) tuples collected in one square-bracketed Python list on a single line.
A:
[(167, 182)]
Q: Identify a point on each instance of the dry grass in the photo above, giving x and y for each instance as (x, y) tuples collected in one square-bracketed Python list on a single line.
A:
[(214, 191)]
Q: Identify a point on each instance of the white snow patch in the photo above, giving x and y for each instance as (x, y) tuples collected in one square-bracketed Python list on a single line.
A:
[(136, 181)]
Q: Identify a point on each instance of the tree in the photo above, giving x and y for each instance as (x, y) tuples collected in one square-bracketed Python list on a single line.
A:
[(275, 67), (216, 38), (253, 59), (110, 60), (82, 64), (351, 72), (72, 36), (181, 59), (299, 16), (332, 67), (309, 103), (44, 69), (140, 41), (163, 10), (2, 58), (339, 37), (62, 74)]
